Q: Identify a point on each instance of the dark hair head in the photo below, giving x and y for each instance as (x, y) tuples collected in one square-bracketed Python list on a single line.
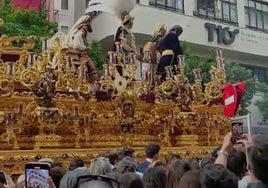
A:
[(171, 158), (257, 155), (176, 171), (205, 161), (76, 163), (56, 174), (151, 150), (113, 157), (130, 180), (194, 163), (214, 175), (190, 180), (177, 29), (126, 152), (237, 162), (155, 177), (128, 164)]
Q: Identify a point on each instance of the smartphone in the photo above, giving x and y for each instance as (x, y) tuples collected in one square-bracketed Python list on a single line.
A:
[(237, 131), (37, 175), (3, 178)]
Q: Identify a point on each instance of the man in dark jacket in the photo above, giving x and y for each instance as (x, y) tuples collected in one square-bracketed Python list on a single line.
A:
[(152, 154)]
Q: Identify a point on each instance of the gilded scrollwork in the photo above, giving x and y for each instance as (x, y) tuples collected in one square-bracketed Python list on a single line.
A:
[(116, 110)]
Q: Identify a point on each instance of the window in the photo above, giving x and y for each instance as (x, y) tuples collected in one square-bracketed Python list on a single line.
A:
[(175, 5), (256, 15), (229, 10), (64, 4), (225, 10), (206, 8), (64, 28), (87, 3)]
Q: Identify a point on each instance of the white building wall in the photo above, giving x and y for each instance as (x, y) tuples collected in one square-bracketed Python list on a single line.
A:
[(66, 18)]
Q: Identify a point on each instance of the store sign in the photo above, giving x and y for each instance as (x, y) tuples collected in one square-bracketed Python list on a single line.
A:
[(224, 35)]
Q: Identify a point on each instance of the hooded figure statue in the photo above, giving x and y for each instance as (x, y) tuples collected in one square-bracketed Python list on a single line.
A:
[(169, 47)]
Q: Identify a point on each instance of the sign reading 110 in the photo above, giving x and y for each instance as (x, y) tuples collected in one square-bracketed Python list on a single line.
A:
[(224, 35)]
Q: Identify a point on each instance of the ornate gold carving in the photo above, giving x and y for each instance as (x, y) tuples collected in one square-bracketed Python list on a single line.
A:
[(47, 103)]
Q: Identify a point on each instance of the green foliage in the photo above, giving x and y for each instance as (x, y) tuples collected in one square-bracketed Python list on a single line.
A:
[(194, 62), (19, 22), (96, 54), (234, 74), (263, 104)]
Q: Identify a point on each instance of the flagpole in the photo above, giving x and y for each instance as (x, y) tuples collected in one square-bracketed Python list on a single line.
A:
[(249, 124)]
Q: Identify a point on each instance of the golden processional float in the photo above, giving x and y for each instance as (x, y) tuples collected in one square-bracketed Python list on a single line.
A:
[(51, 110)]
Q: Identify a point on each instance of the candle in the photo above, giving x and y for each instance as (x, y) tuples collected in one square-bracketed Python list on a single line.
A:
[(219, 53), (81, 73), (169, 71), (220, 63), (10, 69), (106, 70), (115, 58), (20, 108), (75, 112), (44, 44), (117, 47), (121, 48), (183, 60), (68, 64), (212, 74), (86, 120), (110, 57)]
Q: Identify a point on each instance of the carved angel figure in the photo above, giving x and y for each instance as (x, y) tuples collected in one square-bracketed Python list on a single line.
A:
[(76, 38)]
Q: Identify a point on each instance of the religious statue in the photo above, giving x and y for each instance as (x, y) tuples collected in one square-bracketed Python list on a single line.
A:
[(125, 43), (151, 54), (88, 72), (160, 32), (185, 95), (76, 38), (125, 36), (83, 70), (169, 47), (46, 88)]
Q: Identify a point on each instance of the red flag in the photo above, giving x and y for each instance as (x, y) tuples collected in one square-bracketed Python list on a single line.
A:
[(229, 100), (232, 95), (27, 4)]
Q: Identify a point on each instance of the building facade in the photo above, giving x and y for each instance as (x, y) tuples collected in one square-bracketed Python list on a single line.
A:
[(68, 11)]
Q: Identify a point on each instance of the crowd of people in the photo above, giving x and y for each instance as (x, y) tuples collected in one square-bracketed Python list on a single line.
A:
[(229, 166)]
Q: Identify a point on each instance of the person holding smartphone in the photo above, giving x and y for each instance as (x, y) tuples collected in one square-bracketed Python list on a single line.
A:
[(6, 180)]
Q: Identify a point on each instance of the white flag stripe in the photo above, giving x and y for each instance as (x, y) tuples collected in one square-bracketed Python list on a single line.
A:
[(229, 100)]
